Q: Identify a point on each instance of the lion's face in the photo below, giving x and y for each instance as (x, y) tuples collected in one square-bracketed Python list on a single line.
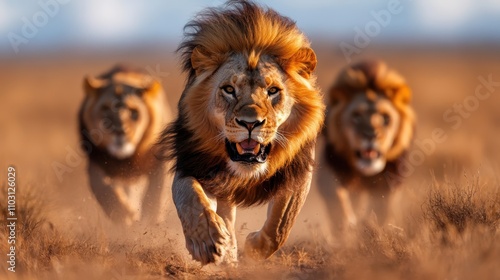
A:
[(251, 102), (118, 111), (249, 108), (370, 124), (370, 121)]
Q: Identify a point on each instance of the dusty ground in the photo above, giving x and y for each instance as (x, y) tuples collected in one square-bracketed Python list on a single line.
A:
[(451, 229)]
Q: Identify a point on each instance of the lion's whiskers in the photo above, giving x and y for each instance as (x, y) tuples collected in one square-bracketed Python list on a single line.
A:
[(281, 139), (219, 137)]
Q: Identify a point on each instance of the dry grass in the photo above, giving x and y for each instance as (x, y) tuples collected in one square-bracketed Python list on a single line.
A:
[(43, 251), (454, 207), (454, 234), (451, 229)]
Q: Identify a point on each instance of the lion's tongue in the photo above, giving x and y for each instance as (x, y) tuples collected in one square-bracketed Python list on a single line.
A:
[(370, 154), (249, 146)]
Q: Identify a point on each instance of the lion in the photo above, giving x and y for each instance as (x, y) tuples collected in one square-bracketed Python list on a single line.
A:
[(246, 128), (368, 129), (120, 118)]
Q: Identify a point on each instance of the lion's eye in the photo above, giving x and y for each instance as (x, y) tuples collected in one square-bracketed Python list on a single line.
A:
[(273, 90), (228, 90), (105, 108), (356, 117), (134, 114), (387, 119)]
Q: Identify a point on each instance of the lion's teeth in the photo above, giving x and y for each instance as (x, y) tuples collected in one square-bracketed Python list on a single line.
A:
[(239, 149), (370, 154), (256, 149), (248, 149)]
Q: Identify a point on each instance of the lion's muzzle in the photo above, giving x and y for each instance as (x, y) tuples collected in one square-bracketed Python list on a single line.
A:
[(248, 150)]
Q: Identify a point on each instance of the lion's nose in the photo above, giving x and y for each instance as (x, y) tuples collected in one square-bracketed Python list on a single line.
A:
[(250, 125), (370, 134)]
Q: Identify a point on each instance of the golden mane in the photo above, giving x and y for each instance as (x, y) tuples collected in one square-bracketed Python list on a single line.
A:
[(371, 75), (376, 76), (216, 33), (193, 141), (154, 99)]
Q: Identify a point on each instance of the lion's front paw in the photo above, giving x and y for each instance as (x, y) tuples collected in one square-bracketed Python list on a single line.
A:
[(207, 237), (260, 246)]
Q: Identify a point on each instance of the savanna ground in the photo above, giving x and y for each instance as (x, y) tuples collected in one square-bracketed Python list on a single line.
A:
[(448, 226)]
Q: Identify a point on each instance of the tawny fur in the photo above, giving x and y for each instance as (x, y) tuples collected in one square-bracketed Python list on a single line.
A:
[(129, 187), (251, 49), (341, 184)]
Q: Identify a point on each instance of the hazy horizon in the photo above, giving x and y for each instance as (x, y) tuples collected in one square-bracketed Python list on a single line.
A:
[(117, 24)]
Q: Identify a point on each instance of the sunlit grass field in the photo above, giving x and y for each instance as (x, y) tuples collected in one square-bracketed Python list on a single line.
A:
[(448, 225)]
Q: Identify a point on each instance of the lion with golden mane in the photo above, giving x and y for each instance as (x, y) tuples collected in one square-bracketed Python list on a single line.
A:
[(120, 118), (246, 128), (369, 127)]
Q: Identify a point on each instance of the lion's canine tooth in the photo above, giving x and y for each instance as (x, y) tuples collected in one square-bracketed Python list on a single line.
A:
[(239, 149), (256, 149)]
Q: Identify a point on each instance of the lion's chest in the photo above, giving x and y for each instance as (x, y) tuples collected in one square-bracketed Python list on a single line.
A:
[(242, 191)]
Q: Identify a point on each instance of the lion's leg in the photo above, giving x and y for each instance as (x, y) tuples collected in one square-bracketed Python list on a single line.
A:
[(107, 196), (227, 212), (384, 205), (165, 198), (346, 204), (333, 207), (394, 215), (379, 203), (154, 199), (130, 196), (327, 184), (205, 231), (281, 214), (336, 207)]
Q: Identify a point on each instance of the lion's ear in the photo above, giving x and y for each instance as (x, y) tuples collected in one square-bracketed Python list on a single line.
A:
[(153, 88), (399, 95), (91, 84), (202, 62), (336, 96), (304, 62), (403, 94), (395, 87)]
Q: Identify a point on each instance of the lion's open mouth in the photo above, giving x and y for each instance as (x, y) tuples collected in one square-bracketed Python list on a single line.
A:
[(369, 161), (368, 154), (249, 151)]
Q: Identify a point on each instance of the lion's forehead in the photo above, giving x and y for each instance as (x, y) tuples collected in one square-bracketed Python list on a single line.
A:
[(237, 71), (364, 104), (119, 93), (131, 79)]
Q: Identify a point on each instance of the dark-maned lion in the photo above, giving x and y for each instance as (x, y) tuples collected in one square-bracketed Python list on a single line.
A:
[(245, 133), (368, 128), (120, 118)]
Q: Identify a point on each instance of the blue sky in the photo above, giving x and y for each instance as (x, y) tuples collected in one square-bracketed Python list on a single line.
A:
[(97, 23)]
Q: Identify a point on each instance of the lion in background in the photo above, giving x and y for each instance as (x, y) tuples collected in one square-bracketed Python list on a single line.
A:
[(120, 118), (246, 128), (368, 128)]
